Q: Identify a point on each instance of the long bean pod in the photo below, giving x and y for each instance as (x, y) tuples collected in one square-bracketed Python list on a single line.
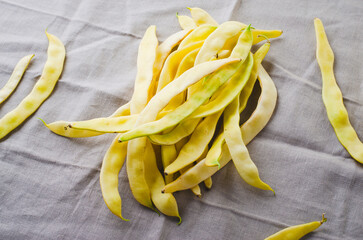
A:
[(186, 22), (201, 17), (144, 81), (15, 77), (110, 169), (198, 34), (42, 89), (333, 98), (296, 232)]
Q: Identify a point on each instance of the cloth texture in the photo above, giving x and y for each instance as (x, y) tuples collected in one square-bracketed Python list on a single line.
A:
[(49, 185)]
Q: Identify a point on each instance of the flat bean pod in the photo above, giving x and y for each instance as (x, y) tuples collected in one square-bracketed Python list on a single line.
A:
[(15, 77), (61, 127), (111, 167), (145, 69), (198, 34), (168, 155), (106, 125), (42, 89), (186, 22), (237, 149), (143, 87), (196, 145), (165, 203), (201, 17), (172, 63), (249, 130), (333, 98), (296, 232), (171, 119)]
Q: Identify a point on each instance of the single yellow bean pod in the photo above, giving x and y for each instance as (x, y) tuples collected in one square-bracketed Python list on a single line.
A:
[(333, 98), (186, 22), (297, 232), (15, 77), (201, 17), (42, 89), (111, 167)]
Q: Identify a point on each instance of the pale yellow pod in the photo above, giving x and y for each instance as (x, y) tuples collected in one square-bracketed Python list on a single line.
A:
[(110, 169), (201, 17), (145, 67), (164, 202), (186, 22), (42, 89), (296, 232), (143, 87), (249, 130), (168, 156), (198, 34), (238, 150), (333, 98), (15, 77), (196, 145)]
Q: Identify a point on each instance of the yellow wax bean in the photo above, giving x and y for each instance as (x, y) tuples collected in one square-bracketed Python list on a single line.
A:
[(165, 203), (208, 183), (145, 67), (124, 110), (172, 62), (61, 127), (15, 77), (239, 153), (106, 125), (198, 34), (186, 22), (198, 141), (185, 64), (216, 40), (181, 131), (258, 33), (42, 89), (214, 154), (200, 17), (135, 149), (168, 155), (196, 189), (162, 52), (296, 232), (249, 130), (333, 98), (111, 167)]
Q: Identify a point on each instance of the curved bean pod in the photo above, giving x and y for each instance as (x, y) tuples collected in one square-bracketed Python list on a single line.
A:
[(61, 127), (143, 85), (200, 17), (237, 149), (145, 67), (172, 62), (249, 130), (184, 129), (42, 89), (106, 125), (183, 111), (333, 98), (196, 145), (162, 52), (198, 34), (168, 155), (110, 169), (15, 77), (296, 232), (165, 203), (186, 22)]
